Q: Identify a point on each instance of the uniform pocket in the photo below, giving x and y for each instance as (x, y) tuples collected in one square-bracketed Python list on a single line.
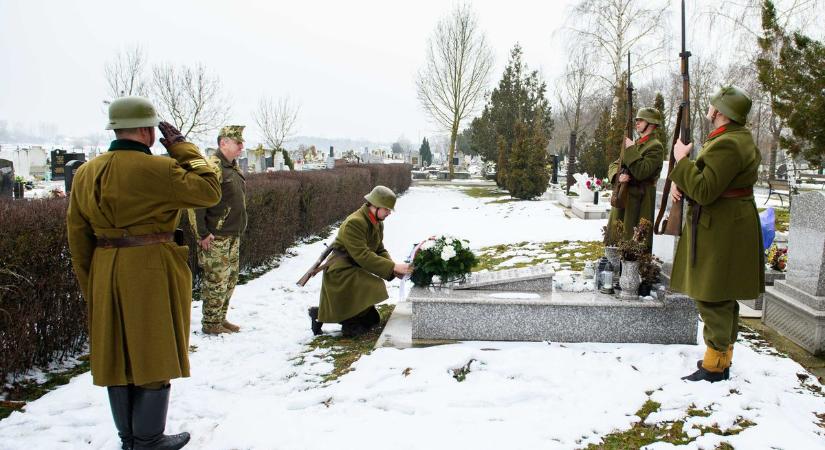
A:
[(704, 219), (219, 226)]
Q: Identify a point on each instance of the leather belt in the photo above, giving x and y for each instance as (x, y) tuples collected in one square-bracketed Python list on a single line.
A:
[(697, 212), (135, 241)]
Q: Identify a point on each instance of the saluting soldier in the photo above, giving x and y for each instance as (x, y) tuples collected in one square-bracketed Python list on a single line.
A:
[(719, 258), (353, 280), (643, 161), (122, 215), (219, 229)]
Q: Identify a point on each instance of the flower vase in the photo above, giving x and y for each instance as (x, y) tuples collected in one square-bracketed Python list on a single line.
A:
[(595, 198), (630, 280), (612, 255)]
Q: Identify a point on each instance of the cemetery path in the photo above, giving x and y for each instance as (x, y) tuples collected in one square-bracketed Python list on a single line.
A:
[(261, 389)]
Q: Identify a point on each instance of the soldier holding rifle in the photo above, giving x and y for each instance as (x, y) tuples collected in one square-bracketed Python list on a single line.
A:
[(354, 273)]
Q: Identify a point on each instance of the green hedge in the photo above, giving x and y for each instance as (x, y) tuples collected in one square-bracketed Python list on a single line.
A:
[(43, 314)]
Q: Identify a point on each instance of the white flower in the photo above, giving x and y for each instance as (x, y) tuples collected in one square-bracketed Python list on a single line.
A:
[(447, 252), (428, 244)]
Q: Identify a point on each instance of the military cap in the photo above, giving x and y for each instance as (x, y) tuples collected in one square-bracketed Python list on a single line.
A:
[(382, 197), (232, 132), (650, 115), (733, 102), (131, 112)]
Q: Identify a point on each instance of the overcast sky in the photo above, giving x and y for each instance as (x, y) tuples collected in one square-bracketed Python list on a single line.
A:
[(351, 64)]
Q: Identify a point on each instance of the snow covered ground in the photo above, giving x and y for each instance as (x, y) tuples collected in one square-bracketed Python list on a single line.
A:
[(251, 390)]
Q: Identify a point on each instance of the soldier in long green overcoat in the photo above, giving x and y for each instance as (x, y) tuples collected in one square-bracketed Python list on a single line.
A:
[(719, 258), (642, 164), (122, 215), (355, 273)]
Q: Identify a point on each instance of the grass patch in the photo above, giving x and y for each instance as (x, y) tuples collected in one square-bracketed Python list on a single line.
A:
[(642, 434), (342, 351), (27, 391), (461, 373), (484, 192), (562, 254), (782, 218)]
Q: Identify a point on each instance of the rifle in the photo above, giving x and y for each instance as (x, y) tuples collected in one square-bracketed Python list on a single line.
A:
[(618, 198), (315, 267), (673, 223)]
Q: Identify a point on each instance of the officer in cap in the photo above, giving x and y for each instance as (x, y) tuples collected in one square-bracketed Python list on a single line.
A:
[(719, 257), (642, 161), (219, 229), (122, 215), (354, 274)]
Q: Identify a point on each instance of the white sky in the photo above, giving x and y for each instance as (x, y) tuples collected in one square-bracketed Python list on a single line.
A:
[(352, 65)]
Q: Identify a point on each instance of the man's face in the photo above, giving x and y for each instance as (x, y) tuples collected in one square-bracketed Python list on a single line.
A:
[(641, 124), (382, 213), (231, 148), (711, 113)]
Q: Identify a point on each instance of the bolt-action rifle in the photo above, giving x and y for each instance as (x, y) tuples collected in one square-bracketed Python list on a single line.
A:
[(618, 199)]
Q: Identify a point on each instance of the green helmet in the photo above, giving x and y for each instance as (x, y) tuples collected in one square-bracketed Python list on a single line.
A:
[(131, 112), (733, 102), (382, 197), (650, 115)]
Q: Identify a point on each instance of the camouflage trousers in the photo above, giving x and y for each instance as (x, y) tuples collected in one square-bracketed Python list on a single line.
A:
[(220, 274)]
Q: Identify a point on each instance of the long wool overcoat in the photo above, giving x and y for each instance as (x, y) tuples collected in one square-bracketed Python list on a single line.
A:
[(729, 253), (138, 298), (350, 285), (644, 162)]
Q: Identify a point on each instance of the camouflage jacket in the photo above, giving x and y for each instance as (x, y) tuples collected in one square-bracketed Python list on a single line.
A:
[(228, 217)]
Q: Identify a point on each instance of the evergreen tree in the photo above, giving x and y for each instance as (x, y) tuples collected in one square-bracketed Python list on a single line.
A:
[(617, 131), (661, 131), (770, 43), (425, 153), (800, 98), (528, 175), (593, 157), (483, 140)]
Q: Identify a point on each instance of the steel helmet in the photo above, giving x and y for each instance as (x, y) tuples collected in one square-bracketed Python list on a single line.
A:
[(649, 115), (131, 112), (733, 102), (382, 197)]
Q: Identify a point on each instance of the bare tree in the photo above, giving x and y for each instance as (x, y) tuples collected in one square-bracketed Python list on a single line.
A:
[(616, 27), (458, 66), (125, 73), (276, 118), (189, 98)]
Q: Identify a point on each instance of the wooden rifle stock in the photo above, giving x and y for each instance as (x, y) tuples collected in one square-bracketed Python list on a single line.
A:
[(672, 224), (315, 267)]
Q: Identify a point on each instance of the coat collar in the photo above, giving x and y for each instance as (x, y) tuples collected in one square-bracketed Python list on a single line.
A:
[(128, 144), (225, 162), (369, 215), (644, 139), (732, 126)]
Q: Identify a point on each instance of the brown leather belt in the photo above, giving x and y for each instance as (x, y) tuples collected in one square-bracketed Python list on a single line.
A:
[(697, 212), (135, 241)]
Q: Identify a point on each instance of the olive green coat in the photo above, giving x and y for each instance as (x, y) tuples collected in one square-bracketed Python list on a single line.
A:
[(350, 286), (729, 252), (644, 162), (138, 298)]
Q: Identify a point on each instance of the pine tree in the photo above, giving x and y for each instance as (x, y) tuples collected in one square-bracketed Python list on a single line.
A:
[(528, 175), (593, 158), (772, 40), (661, 131), (425, 153)]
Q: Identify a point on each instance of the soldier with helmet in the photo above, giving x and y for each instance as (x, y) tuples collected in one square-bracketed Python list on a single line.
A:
[(122, 215), (642, 164), (354, 274), (719, 257), (219, 229)]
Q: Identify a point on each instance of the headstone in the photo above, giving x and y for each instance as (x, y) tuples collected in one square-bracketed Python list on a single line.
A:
[(70, 170), (795, 307), (269, 162), (58, 159), (244, 164), (6, 178), (278, 162), (555, 178), (585, 194), (536, 278)]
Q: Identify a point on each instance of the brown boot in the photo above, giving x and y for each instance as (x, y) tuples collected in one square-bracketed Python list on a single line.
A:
[(230, 326), (214, 329)]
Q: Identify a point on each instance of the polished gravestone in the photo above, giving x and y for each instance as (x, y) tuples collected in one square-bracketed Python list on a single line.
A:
[(523, 305), (795, 307)]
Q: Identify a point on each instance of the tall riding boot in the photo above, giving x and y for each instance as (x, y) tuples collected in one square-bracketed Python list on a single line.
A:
[(149, 421), (120, 400), (313, 321)]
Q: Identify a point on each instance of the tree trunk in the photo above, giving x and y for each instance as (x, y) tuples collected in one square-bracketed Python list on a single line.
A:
[(453, 138)]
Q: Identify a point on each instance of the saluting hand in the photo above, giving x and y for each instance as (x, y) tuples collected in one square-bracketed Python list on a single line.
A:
[(171, 135), (681, 150)]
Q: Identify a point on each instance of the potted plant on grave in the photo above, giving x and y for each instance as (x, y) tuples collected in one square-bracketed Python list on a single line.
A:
[(445, 257), (631, 250), (19, 187), (650, 271), (596, 185), (777, 258), (611, 245)]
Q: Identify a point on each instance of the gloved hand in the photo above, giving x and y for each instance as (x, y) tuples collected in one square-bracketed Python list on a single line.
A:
[(171, 135)]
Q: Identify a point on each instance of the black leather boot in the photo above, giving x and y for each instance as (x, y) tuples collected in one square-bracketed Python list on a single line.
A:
[(313, 321), (149, 421), (726, 372), (353, 327), (702, 374), (370, 317), (120, 400)]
